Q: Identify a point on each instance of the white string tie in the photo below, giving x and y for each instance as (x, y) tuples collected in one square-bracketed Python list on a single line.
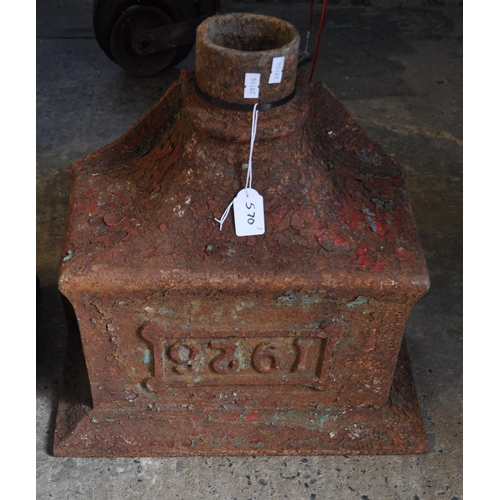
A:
[(255, 117), (248, 184), (224, 215)]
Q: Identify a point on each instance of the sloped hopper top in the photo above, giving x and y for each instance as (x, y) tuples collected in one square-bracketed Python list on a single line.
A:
[(337, 215), (230, 46)]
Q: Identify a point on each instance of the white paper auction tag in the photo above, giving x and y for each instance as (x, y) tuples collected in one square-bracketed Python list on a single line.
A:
[(277, 69), (249, 213), (252, 83)]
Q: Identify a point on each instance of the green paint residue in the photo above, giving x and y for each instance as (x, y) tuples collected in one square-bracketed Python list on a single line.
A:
[(144, 390), (323, 419), (358, 301), (164, 311), (303, 300)]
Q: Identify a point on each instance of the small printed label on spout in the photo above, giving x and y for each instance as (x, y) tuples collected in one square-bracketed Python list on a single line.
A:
[(277, 69), (252, 83)]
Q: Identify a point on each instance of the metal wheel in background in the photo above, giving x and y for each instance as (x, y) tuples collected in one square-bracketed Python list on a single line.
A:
[(118, 22)]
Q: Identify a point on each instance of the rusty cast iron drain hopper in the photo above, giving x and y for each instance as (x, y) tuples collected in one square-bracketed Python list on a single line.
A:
[(200, 342)]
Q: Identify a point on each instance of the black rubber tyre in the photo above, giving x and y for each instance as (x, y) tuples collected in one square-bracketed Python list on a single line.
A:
[(107, 12)]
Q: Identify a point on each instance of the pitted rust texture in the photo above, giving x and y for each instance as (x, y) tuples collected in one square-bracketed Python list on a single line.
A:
[(234, 127), (334, 201), (243, 337), (193, 429), (245, 43)]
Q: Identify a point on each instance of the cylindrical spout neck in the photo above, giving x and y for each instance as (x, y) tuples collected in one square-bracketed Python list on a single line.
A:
[(246, 58)]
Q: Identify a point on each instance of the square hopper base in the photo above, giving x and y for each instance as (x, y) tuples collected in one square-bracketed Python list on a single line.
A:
[(122, 431)]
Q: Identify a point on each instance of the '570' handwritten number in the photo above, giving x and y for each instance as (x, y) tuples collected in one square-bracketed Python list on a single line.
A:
[(251, 217)]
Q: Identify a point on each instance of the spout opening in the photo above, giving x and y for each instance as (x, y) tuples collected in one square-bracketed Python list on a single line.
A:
[(249, 33), (230, 46)]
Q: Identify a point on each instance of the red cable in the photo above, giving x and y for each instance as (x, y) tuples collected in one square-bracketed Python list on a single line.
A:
[(321, 22)]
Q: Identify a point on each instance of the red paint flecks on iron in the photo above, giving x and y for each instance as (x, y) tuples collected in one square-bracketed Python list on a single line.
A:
[(198, 342)]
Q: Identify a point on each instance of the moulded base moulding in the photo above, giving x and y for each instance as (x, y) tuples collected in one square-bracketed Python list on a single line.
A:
[(231, 430)]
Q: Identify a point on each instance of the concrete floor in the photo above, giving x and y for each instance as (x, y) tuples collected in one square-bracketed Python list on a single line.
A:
[(399, 71)]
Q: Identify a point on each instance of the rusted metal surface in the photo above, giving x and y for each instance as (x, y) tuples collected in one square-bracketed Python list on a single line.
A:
[(166, 37), (129, 32), (229, 46), (145, 38), (150, 41), (197, 341), (191, 428)]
